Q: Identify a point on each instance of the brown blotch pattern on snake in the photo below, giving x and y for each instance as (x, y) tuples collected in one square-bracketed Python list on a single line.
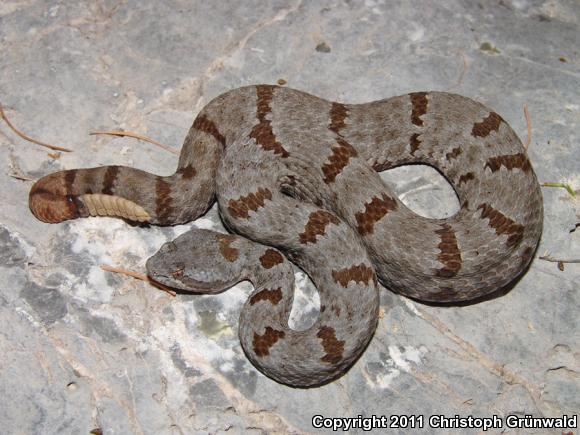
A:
[(502, 224), (241, 207), (512, 161), (375, 210), (262, 132), (332, 347), (419, 107), (203, 123), (453, 154), (415, 143), (450, 255), (69, 179), (338, 114), (263, 343), (382, 166), (109, 180), (316, 226), (71, 200), (274, 296), (485, 127), (359, 274), (341, 154), (464, 178), (227, 251), (163, 200), (187, 172), (271, 258)]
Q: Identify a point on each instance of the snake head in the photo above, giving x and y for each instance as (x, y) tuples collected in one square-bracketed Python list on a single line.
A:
[(199, 261)]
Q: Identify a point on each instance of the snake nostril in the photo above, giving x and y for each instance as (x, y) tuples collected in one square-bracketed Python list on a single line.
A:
[(178, 270)]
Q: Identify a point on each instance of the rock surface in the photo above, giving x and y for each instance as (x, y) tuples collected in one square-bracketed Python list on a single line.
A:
[(86, 349)]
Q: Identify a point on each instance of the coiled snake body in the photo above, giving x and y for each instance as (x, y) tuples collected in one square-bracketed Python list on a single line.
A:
[(297, 175)]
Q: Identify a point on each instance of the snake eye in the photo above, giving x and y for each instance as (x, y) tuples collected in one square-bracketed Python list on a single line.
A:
[(70, 199)]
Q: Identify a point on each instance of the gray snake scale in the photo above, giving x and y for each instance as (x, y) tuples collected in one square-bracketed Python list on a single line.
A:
[(296, 178)]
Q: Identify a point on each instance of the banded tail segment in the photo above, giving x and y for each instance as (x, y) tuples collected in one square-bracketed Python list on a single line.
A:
[(91, 192), (134, 194)]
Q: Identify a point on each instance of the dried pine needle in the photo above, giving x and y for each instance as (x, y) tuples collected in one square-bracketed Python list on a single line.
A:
[(529, 126), (28, 138), (137, 275), (122, 133), (558, 260)]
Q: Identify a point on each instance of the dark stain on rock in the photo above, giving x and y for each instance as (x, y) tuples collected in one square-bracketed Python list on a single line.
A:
[(323, 47), (47, 302)]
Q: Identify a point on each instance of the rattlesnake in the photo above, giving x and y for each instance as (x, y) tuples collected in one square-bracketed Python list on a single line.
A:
[(296, 177)]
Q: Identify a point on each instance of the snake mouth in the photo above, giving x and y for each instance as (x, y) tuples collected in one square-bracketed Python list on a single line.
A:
[(178, 280)]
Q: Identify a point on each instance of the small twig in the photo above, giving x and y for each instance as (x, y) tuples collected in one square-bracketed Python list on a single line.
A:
[(16, 172), (463, 70), (562, 185), (137, 275), (28, 138), (122, 133), (529, 125), (555, 260), (20, 177)]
